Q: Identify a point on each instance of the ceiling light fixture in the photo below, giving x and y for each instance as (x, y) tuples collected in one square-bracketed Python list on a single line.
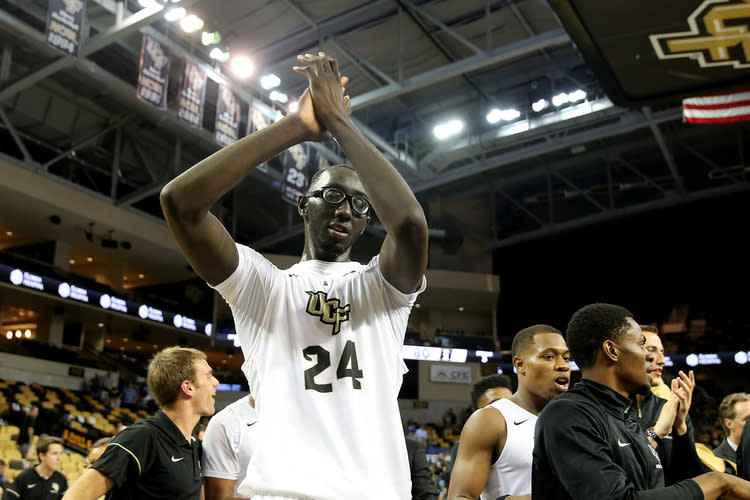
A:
[(270, 81), (191, 23), (278, 96), (540, 105), (448, 129), (175, 14), (210, 38), (242, 66)]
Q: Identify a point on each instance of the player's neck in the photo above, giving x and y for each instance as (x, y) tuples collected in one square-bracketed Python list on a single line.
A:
[(184, 418), (43, 470), (528, 401)]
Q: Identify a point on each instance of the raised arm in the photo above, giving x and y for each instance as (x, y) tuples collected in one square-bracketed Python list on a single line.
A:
[(187, 199), (403, 256)]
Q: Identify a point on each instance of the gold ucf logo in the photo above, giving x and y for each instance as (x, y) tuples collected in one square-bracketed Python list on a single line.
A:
[(328, 310), (719, 36)]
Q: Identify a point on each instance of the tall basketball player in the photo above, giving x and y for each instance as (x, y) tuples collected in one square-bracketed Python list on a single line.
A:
[(321, 340)]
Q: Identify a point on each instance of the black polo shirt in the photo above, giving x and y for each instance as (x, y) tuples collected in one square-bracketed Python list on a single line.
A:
[(152, 460), (29, 485)]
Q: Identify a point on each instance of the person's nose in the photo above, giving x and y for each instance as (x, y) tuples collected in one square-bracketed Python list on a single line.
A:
[(344, 208)]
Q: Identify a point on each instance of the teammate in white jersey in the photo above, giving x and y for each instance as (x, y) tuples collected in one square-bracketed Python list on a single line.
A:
[(494, 459), (321, 340), (231, 436)]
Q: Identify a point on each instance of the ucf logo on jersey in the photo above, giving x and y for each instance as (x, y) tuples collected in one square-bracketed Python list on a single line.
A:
[(330, 311), (719, 36)]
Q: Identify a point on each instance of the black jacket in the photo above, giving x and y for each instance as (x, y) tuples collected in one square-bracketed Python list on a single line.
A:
[(743, 454), (587, 447), (422, 486), (725, 451)]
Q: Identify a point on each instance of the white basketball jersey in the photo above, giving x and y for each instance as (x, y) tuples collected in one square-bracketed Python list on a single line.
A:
[(231, 437), (511, 473), (322, 345)]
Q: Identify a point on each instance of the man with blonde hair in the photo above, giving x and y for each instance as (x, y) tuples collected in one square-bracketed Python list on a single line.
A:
[(734, 411), (158, 457)]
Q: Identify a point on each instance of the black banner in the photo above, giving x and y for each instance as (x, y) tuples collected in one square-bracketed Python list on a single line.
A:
[(227, 127), (192, 94), (295, 161), (153, 73), (65, 25), (256, 120)]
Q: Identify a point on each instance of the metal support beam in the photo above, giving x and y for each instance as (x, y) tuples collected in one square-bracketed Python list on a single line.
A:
[(441, 25), (89, 139), (141, 193), (502, 54), (16, 138), (668, 158), (619, 213), (279, 237), (116, 163), (627, 123)]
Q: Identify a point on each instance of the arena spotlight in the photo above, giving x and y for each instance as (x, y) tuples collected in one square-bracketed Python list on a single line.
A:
[(191, 23), (448, 129), (269, 81), (242, 66), (175, 14)]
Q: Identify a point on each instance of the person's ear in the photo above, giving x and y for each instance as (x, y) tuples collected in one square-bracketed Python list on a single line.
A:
[(610, 350), (187, 388), (302, 205), (519, 365)]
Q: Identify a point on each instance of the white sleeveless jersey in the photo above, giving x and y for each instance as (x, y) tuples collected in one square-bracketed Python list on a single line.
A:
[(322, 346), (511, 472), (231, 437)]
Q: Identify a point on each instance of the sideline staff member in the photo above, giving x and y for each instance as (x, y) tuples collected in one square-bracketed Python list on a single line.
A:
[(43, 481), (158, 457)]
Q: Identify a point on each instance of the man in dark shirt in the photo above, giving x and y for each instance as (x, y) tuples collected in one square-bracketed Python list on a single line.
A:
[(422, 485), (743, 454), (43, 481), (158, 458), (586, 445), (27, 430)]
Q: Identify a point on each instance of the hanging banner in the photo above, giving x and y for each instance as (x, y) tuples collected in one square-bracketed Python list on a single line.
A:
[(192, 94), (153, 73), (65, 25), (295, 161), (227, 127), (256, 120)]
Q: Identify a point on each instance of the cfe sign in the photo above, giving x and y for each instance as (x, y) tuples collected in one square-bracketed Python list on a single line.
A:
[(454, 374)]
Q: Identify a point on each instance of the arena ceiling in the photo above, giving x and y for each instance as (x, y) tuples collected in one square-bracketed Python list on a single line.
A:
[(412, 63)]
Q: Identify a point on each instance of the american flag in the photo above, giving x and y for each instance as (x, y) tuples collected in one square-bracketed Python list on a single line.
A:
[(725, 107)]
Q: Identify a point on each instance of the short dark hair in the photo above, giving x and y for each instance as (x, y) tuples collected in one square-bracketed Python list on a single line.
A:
[(526, 336), (45, 441), (650, 329), (486, 383), (590, 326), (320, 171)]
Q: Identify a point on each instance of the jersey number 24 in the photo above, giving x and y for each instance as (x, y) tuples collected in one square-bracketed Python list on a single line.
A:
[(347, 367)]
